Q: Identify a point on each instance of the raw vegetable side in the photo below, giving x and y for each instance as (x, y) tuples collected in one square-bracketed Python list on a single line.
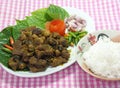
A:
[(74, 37), (75, 29), (56, 25)]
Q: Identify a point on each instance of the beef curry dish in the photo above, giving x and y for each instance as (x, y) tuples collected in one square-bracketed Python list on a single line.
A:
[(38, 49)]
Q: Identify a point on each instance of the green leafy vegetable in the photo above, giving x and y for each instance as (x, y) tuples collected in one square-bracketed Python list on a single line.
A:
[(21, 24), (57, 12), (4, 56)]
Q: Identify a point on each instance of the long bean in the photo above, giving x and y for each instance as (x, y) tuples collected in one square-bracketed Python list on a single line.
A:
[(74, 37), (6, 50)]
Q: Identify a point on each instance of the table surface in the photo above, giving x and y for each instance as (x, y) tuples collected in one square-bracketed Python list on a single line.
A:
[(106, 14)]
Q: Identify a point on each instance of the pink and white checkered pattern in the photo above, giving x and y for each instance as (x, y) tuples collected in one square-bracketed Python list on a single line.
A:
[(106, 14)]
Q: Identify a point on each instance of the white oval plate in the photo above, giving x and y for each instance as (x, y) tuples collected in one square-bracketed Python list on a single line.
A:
[(85, 45), (90, 27)]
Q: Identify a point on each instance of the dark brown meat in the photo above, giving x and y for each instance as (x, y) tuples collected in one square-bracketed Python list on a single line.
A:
[(63, 42), (39, 54), (46, 33), (22, 65), (65, 54), (38, 49), (36, 31), (60, 47), (55, 35), (39, 65), (25, 59), (52, 41), (13, 63), (35, 69), (57, 53), (57, 61), (33, 61), (43, 47), (17, 48)]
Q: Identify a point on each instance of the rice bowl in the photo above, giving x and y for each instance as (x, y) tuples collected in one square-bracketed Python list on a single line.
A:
[(102, 59)]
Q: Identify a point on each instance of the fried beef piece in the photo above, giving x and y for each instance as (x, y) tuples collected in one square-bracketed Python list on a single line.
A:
[(57, 53), (33, 60), (36, 69), (38, 49), (43, 47), (46, 33), (22, 65), (44, 54), (55, 35), (37, 65), (65, 54), (17, 48), (25, 59), (52, 41), (36, 31), (57, 61), (63, 42), (60, 47), (13, 63)]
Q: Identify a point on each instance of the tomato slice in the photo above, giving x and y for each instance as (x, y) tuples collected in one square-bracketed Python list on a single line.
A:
[(57, 25)]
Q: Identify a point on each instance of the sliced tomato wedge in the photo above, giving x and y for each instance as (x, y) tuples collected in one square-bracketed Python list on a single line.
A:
[(56, 25)]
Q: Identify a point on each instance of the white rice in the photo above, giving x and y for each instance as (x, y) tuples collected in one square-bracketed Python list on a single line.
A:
[(103, 58)]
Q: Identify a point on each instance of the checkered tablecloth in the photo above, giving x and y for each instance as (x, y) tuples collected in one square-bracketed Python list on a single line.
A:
[(106, 14)]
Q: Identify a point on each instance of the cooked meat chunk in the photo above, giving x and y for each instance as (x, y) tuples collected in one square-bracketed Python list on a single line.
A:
[(40, 65), (36, 31), (63, 42), (38, 41), (39, 54), (33, 60), (23, 37), (43, 47), (57, 53), (46, 33), (22, 65), (25, 59), (60, 47), (31, 47), (52, 41), (35, 69), (57, 61), (55, 35), (13, 63), (38, 49), (17, 48), (65, 54)]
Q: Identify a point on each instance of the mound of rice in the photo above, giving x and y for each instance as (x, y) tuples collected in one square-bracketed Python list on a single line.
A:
[(103, 58)]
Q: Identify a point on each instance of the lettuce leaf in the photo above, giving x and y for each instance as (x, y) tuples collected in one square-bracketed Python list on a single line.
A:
[(21, 24), (56, 12), (4, 39)]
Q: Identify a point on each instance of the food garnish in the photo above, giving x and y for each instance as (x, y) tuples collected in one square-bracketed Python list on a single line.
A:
[(57, 25), (74, 23), (74, 37)]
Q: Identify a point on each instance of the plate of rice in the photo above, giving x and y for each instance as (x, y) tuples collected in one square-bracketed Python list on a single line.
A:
[(99, 56)]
